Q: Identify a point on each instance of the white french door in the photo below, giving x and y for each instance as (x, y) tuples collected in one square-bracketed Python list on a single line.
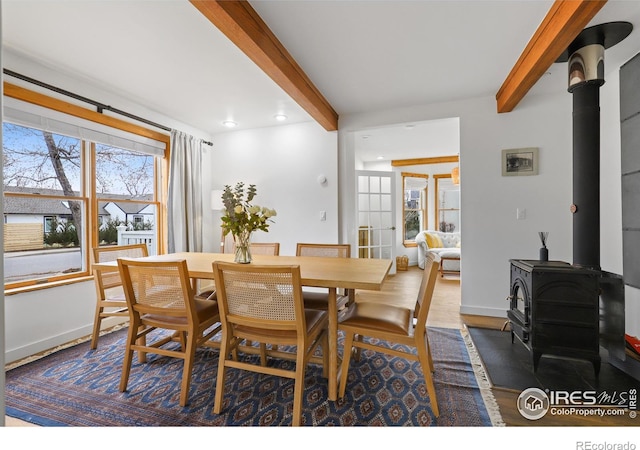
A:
[(375, 202)]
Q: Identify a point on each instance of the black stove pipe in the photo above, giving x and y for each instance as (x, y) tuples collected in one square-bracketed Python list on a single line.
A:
[(586, 175), (586, 74)]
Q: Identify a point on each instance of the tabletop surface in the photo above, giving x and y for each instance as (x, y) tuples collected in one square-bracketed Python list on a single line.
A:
[(349, 273)]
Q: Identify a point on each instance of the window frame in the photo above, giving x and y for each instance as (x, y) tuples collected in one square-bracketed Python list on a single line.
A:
[(46, 219), (437, 178), (424, 200), (90, 230)]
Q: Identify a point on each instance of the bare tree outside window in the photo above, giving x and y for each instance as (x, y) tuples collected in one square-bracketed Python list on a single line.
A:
[(123, 172)]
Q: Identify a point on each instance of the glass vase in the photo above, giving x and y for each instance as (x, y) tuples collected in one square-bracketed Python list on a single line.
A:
[(243, 247)]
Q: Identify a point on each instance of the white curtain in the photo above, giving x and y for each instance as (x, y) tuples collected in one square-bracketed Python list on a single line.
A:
[(184, 205)]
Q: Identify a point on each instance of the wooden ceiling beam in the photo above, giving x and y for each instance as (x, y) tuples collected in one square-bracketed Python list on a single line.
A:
[(562, 24), (243, 26), (421, 161)]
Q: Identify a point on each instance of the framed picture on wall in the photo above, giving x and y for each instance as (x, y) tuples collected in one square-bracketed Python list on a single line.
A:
[(520, 161)]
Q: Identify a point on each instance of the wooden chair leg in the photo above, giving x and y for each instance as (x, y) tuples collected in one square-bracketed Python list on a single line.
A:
[(346, 358), (234, 351), (142, 356), (222, 370), (128, 356), (426, 343), (182, 337), (358, 350), (263, 354), (325, 355), (190, 354), (97, 321), (298, 389)]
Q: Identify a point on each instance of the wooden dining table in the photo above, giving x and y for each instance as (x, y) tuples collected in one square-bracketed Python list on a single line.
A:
[(315, 271)]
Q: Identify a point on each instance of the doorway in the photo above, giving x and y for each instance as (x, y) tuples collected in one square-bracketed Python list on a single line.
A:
[(397, 148), (376, 214)]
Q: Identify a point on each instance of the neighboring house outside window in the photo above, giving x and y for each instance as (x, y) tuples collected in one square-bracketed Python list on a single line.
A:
[(64, 195)]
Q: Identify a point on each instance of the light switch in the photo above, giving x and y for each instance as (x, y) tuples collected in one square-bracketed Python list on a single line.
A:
[(323, 216), (521, 213)]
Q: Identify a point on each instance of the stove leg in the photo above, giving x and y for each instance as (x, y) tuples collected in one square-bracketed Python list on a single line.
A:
[(535, 357), (596, 366)]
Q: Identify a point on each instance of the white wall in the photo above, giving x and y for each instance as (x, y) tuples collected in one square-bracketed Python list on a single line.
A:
[(491, 233), (69, 82), (42, 319), (284, 163)]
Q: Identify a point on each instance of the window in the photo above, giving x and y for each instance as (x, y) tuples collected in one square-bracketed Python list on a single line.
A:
[(414, 205), (48, 224), (447, 203), (125, 193), (67, 192)]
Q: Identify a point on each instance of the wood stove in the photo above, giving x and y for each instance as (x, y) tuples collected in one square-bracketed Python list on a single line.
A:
[(554, 306), (554, 310)]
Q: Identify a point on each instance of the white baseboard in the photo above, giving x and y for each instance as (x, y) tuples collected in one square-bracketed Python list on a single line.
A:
[(483, 311)]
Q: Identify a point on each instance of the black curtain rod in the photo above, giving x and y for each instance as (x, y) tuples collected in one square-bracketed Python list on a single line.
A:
[(100, 106)]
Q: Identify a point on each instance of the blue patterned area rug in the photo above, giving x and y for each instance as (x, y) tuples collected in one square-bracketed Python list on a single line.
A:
[(77, 386)]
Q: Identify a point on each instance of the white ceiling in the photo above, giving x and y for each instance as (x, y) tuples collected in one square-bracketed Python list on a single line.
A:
[(362, 55)]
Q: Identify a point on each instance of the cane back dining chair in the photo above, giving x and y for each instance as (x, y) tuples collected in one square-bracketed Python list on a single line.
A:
[(160, 296), (394, 324), (206, 289), (228, 245), (110, 299), (314, 298), (264, 248), (257, 248), (263, 303)]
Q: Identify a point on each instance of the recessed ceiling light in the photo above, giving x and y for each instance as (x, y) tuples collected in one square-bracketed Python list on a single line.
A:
[(229, 123), (365, 136), (409, 126), (380, 157), (280, 117)]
